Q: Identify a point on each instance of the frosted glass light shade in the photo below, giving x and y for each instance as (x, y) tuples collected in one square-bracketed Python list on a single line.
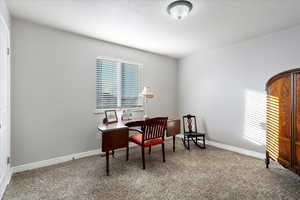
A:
[(180, 9)]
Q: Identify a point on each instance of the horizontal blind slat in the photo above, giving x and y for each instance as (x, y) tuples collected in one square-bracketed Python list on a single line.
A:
[(113, 83), (106, 84), (130, 85)]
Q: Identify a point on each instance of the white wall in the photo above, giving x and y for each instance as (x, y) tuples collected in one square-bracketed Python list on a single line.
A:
[(53, 87), (4, 13), (4, 16), (225, 88)]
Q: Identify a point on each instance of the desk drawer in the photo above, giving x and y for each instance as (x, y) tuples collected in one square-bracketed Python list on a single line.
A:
[(115, 139), (173, 127)]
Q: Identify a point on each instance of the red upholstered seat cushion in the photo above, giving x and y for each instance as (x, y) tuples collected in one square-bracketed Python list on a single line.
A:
[(137, 138)]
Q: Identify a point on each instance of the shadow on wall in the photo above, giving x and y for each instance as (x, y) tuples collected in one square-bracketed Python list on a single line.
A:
[(255, 117)]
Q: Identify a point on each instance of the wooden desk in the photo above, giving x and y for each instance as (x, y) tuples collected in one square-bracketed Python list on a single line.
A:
[(115, 135), (119, 125)]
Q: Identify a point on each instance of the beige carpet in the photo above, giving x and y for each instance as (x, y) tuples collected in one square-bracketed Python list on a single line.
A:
[(200, 174)]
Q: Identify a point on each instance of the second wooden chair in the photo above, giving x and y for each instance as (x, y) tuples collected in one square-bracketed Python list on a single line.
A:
[(190, 132)]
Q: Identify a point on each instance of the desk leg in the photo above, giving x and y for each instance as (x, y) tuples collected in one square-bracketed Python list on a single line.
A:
[(127, 152), (173, 143), (163, 152), (107, 163)]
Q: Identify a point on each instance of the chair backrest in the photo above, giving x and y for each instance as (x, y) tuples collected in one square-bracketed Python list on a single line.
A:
[(155, 128), (189, 123)]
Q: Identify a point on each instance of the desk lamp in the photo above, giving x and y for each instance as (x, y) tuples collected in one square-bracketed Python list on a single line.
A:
[(147, 94)]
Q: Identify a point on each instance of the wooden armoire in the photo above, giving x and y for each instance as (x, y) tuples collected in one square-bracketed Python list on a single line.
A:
[(283, 119)]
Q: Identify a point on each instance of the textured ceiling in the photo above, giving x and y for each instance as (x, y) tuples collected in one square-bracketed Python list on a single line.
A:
[(144, 24)]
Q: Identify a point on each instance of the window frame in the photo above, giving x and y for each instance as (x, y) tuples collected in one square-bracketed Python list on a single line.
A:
[(141, 83)]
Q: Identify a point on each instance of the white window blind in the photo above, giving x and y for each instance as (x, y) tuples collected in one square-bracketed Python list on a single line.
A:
[(118, 84)]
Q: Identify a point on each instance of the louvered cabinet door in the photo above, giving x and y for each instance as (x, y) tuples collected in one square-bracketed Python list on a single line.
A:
[(279, 121), (296, 135)]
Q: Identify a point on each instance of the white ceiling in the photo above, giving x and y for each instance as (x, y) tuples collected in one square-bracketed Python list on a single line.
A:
[(144, 24)]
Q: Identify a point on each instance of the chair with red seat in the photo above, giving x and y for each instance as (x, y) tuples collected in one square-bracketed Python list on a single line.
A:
[(152, 133)]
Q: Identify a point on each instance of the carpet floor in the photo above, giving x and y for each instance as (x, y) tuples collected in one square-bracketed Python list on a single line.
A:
[(199, 174)]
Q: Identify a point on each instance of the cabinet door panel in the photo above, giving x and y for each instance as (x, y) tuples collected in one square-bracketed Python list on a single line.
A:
[(297, 157), (279, 111), (296, 142)]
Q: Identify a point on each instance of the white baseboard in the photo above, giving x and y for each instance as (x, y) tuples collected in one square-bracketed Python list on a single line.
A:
[(237, 149), (54, 161), (5, 182), (234, 149)]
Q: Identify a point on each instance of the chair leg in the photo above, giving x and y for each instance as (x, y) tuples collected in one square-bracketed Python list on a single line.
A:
[(143, 157), (183, 141), (163, 152), (188, 140), (202, 146), (127, 153), (174, 143), (149, 150)]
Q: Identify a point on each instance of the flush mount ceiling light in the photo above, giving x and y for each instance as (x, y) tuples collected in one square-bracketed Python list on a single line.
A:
[(179, 9)]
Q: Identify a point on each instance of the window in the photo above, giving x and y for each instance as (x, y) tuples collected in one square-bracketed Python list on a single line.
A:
[(118, 84)]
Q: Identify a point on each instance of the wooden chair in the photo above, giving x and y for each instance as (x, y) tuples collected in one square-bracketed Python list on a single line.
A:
[(190, 132), (152, 133)]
